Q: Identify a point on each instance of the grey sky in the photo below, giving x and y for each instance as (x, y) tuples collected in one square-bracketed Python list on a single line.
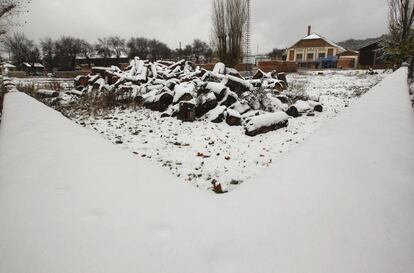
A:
[(274, 23)]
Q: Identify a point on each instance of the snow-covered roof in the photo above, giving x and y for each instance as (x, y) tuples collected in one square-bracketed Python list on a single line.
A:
[(312, 37), (315, 36), (349, 52), (36, 65), (379, 40), (8, 65), (341, 202), (97, 56)]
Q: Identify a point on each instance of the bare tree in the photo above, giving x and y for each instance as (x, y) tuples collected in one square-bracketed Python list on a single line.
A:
[(219, 31), (399, 44), (21, 49), (9, 9), (49, 53), (148, 49), (158, 50), (67, 49), (138, 47), (201, 48), (229, 22), (86, 50), (117, 46), (103, 48)]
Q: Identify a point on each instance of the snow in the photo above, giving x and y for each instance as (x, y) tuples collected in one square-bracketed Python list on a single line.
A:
[(173, 145), (239, 107), (219, 68), (233, 113), (302, 106), (313, 36), (8, 65), (38, 65), (275, 104), (44, 83), (207, 97), (215, 113), (182, 89), (215, 87), (342, 202)]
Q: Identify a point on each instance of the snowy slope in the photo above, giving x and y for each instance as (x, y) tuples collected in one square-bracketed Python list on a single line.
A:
[(341, 202)]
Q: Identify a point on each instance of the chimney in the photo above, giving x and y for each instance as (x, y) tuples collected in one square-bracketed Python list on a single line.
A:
[(309, 30)]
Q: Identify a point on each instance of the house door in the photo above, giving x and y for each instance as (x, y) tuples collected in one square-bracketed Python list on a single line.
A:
[(291, 55), (330, 52)]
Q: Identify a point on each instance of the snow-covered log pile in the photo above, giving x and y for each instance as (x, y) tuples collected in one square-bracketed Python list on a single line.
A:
[(189, 92), (8, 85)]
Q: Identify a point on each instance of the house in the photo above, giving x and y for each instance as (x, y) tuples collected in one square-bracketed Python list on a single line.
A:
[(7, 67), (33, 68), (97, 60), (314, 51), (348, 59), (369, 56)]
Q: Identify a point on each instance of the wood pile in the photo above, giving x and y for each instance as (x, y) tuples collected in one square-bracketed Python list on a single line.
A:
[(188, 92)]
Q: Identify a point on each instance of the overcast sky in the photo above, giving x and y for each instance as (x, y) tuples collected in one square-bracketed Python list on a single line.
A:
[(274, 23)]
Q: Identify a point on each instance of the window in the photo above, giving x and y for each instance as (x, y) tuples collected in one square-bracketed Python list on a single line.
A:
[(310, 57), (299, 57), (321, 55), (330, 52)]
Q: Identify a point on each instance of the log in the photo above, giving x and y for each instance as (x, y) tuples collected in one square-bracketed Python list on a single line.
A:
[(82, 81), (237, 85), (187, 111), (160, 102), (206, 103), (101, 71), (233, 118), (302, 106), (217, 114), (218, 89), (317, 107), (259, 75), (282, 77), (229, 99), (241, 108), (293, 112), (219, 68), (75, 92), (266, 123), (47, 93)]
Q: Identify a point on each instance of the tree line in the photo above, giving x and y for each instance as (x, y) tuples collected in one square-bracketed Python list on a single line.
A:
[(399, 43), (62, 54), (229, 18)]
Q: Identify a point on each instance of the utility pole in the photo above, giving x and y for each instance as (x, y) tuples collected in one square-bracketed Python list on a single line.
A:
[(247, 50)]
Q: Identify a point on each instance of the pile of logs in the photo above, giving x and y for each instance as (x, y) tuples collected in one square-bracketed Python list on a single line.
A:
[(188, 92)]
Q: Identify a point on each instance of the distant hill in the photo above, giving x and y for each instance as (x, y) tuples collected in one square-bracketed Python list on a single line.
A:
[(353, 44)]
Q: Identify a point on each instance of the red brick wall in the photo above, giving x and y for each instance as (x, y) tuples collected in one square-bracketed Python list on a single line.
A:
[(279, 66)]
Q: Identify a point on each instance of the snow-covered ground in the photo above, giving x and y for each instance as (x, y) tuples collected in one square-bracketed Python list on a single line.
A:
[(45, 83), (203, 152), (341, 202)]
